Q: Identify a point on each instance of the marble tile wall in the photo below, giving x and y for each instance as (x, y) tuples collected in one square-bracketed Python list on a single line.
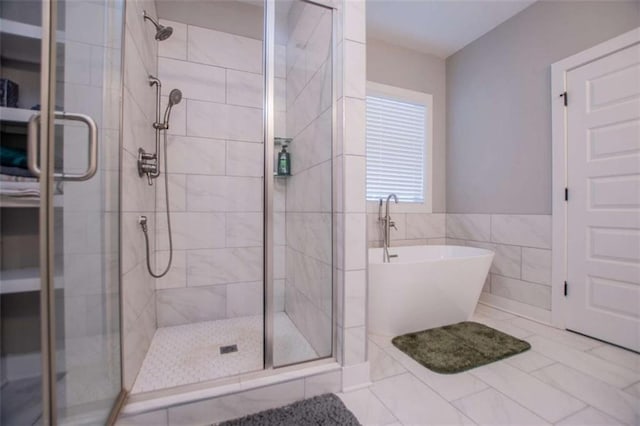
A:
[(521, 270), (235, 405), (215, 154), (138, 287), (308, 97), (350, 209), (413, 229)]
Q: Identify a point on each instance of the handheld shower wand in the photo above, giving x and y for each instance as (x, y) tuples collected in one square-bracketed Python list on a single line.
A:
[(175, 96), (149, 165)]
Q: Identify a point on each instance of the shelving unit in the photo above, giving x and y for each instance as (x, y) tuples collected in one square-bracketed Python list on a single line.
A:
[(20, 53), (21, 42), (17, 115), (13, 202), (23, 280)]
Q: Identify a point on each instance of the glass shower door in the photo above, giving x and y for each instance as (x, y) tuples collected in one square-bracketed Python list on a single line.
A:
[(63, 355), (86, 214), (302, 202)]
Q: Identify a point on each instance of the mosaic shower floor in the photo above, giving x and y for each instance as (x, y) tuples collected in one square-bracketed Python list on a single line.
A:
[(190, 353)]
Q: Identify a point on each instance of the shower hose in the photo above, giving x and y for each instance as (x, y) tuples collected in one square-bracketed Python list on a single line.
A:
[(144, 226)]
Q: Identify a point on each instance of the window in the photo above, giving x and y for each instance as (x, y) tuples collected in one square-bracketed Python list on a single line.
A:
[(398, 131)]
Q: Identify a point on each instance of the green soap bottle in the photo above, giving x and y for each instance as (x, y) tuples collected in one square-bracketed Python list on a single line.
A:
[(284, 162)]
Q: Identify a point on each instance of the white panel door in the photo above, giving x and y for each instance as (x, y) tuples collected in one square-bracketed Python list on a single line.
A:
[(604, 198)]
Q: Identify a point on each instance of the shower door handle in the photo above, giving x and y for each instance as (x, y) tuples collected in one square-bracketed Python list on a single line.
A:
[(32, 146)]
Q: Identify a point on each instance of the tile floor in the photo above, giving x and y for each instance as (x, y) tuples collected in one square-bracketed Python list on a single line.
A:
[(565, 379), (190, 353)]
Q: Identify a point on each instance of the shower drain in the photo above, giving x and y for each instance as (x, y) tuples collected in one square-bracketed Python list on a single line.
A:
[(228, 349)]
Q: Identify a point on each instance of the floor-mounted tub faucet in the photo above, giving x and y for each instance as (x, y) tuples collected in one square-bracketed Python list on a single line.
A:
[(387, 224)]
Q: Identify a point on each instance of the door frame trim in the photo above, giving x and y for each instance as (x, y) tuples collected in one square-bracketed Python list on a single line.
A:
[(46, 250), (559, 126)]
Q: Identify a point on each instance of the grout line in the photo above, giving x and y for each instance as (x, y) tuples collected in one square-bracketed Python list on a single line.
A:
[(582, 409), (425, 383), (475, 392), (520, 279), (382, 402), (526, 408)]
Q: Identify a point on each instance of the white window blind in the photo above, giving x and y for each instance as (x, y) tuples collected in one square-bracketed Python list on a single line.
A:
[(395, 149)]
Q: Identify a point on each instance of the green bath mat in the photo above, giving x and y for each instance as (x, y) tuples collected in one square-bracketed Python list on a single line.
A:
[(459, 347)]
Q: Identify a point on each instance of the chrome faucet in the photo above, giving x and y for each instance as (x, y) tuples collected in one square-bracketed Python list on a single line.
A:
[(387, 224)]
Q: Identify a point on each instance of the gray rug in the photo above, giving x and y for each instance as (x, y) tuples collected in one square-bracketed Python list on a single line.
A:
[(323, 410)]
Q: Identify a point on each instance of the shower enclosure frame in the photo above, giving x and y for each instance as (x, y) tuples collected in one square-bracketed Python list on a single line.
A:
[(268, 189), (48, 345)]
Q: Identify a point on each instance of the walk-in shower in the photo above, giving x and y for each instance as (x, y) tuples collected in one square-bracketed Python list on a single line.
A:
[(126, 283), (249, 249)]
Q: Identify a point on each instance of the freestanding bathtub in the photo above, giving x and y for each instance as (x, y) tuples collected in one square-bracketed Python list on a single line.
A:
[(424, 287)]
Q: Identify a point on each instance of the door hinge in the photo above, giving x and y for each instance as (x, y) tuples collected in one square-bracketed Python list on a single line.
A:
[(565, 288), (566, 194), (566, 98)]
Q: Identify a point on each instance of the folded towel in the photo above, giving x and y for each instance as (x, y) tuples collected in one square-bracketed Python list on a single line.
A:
[(12, 157), (14, 178), (15, 171), (23, 187), (20, 189)]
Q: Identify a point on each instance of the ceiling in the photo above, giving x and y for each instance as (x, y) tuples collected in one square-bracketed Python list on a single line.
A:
[(438, 27)]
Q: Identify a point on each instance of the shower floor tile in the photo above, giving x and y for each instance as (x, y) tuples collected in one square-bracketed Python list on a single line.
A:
[(190, 353)]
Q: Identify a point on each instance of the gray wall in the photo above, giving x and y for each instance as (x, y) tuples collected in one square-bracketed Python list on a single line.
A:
[(409, 69), (499, 112)]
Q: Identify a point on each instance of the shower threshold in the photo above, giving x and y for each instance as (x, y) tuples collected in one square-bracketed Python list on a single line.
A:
[(190, 353)]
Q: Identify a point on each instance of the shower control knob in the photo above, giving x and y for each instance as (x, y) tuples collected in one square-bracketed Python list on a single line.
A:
[(147, 165)]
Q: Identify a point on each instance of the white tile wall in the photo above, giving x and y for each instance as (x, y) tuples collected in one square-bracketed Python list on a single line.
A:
[(521, 291), (523, 230), (244, 88), (536, 265), (412, 229), (222, 266), (352, 219), (138, 287), (220, 121), (521, 270), (196, 81), (215, 170), (475, 227), (237, 405), (224, 50), (191, 304)]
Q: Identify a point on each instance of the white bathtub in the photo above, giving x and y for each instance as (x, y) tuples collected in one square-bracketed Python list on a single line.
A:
[(424, 287)]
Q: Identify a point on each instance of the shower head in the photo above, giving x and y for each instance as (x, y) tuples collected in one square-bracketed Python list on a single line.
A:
[(162, 32), (175, 96)]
